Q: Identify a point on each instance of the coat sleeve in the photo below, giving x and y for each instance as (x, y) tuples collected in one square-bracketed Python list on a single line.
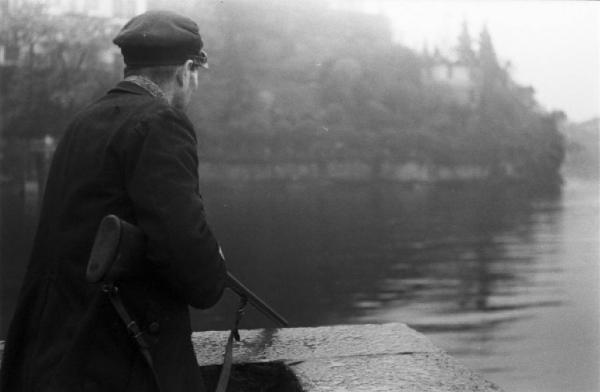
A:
[(163, 187)]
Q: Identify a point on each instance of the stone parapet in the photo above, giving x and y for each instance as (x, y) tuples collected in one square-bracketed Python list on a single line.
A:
[(344, 358), (347, 358)]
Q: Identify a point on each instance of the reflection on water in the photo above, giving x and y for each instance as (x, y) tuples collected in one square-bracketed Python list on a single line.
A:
[(507, 282)]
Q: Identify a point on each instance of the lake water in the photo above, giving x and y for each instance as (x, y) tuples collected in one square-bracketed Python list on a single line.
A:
[(505, 281)]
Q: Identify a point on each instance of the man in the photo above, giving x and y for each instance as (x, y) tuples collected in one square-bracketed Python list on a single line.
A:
[(133, 154)]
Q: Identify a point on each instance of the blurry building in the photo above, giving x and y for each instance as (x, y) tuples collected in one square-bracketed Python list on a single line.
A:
[(112, 12), (114, 9), (461, 77)]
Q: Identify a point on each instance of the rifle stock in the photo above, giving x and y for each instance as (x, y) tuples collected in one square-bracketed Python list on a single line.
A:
[(118, 251)]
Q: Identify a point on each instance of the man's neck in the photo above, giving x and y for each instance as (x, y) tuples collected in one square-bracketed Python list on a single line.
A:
[(151, 87)]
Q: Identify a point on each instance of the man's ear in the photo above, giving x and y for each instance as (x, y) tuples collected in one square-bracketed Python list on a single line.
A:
[(183, 72), (189, 65)]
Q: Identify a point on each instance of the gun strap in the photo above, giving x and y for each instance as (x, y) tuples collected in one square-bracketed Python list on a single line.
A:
[(113, 294), (228, 357)]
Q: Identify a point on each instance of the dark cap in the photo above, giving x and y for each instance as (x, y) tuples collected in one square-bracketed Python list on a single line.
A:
[(159, 38)]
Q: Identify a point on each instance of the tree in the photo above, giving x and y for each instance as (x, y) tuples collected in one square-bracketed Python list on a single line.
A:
[(63, 62), (487, 53), (464, 49)]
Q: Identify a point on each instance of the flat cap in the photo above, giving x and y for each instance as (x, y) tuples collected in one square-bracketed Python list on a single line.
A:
[(159, 38)]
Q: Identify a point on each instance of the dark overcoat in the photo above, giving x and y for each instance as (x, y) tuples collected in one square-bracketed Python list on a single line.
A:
[(135, 156)]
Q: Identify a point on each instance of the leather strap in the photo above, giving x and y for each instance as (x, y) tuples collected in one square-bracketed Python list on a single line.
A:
[(138, 335), (228, 357), (113, 294)]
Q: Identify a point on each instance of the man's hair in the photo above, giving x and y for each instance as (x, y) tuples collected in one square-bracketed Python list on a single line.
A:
[(158, 74)]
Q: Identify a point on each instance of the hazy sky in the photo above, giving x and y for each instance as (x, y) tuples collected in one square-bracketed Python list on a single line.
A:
[(552, 45)]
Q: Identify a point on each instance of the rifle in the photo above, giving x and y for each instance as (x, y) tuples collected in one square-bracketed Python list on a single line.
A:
[(118, 252)]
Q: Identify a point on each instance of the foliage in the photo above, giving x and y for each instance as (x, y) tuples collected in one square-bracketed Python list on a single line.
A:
[(304, 83), (309, 83), (583, 149), (63, 63)]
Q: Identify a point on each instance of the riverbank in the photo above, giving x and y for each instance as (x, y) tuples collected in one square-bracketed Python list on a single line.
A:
[(342, 171)]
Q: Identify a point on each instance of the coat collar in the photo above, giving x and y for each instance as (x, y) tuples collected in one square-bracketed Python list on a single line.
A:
[(130, 87), (147, 85)]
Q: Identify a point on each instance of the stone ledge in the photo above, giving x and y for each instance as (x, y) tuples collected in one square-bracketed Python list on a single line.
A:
[(344, 358), (415, 372), (298, 344)]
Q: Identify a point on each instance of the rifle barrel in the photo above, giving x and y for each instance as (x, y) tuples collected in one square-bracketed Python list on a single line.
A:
[(234, 284)]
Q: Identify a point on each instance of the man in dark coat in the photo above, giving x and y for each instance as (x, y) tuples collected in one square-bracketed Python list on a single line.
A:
[(133, 154)]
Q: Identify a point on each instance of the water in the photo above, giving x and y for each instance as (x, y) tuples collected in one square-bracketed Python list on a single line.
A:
[(505, 281)]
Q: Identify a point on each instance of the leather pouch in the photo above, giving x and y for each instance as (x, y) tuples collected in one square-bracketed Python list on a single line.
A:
[(117, 253)]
